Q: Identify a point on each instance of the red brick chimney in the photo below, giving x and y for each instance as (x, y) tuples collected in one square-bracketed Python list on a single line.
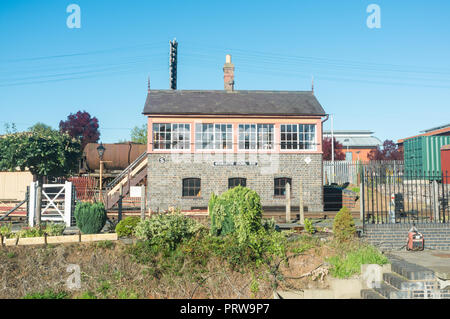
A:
[(228, 74)]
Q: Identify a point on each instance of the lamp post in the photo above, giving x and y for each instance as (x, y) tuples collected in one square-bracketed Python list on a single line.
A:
[(346, 140), (101, 150)]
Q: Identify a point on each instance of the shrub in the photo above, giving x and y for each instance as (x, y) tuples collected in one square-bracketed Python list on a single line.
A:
[(26, 232), (90, 217), (5, 230), (309, 227), (125, 228), (237, 210), (54, 229), (344, 225), (167, 230), (344, 266)]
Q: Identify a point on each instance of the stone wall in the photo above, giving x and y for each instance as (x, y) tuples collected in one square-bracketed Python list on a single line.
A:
[(393, 236), (167, 171)]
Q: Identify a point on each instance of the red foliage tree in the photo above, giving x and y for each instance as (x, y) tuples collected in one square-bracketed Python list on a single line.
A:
[(326, 147), (389, 152), (82, 127)]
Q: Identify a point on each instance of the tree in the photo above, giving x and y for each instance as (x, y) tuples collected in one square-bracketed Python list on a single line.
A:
[(389, 152), (326, 147), (41, 127), (139, 134), (10, 128), (49, 153), (82, 127)]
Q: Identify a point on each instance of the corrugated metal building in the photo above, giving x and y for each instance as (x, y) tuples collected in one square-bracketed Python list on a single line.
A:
[(423, 155)]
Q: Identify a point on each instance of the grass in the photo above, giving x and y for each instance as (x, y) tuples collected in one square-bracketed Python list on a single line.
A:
[(106, 244), (48, 294), (345, 265)]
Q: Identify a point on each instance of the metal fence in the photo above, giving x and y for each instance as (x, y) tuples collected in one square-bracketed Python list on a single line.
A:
[(397, 198), (341, 172)]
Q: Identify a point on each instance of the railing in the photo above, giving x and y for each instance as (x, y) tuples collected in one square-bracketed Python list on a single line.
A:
[(418, 197), (341, 172), (127, 170)]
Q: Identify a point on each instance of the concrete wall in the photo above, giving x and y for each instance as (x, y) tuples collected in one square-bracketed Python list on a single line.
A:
[(167, 171), (13, 185), (393, 236)]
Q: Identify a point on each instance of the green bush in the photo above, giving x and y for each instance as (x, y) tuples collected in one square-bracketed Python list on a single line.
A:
[(346, 265), (90, 217), (5, 230), (167, 230), (54, 229), (309, 227), (26, 232), (237, 210), (344, 225), (125, 228)]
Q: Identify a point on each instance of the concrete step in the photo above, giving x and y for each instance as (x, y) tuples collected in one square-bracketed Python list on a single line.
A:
[(410, 271), (401, 283), (371, 294), (390, 292)]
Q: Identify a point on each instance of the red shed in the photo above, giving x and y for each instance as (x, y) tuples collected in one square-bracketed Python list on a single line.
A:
[(445, 163)]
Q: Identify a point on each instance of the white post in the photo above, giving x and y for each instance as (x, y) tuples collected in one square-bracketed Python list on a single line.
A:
[(288, 203), (142, 202), (361, 201), (302, 213), (67, 203), (332, 150), (32, 204), (436, 201)]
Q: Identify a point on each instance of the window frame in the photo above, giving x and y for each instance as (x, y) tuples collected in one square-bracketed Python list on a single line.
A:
[(186, 188), (173, 132), (257, 134), (277, 187), (303, 137), (229, 130), (230, 179)]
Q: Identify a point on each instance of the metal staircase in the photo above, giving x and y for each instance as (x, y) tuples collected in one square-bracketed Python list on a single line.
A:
[(130, 176)]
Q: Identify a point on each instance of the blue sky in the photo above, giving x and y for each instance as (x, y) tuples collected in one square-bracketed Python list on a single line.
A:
[(394, 80)]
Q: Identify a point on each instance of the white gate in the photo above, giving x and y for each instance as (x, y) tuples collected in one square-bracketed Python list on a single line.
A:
[(56, 203)]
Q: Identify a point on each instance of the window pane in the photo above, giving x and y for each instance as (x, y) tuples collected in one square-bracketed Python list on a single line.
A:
[(280, 186)]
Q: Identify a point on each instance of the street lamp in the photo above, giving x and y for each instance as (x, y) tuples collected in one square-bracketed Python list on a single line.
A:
[(101, 150)]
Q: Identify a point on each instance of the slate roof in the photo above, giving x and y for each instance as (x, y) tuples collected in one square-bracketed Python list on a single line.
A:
[(351, 138), (171, 102)]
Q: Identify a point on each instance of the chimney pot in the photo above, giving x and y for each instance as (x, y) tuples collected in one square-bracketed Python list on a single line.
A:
[(228, 74)]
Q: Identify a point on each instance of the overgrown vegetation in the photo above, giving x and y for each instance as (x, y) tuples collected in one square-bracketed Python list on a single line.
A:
[(167, 230), (51, 229), (48, 294), (90, 217), (343, 225), (126, 227), (241, 256), (238, 210), (309, 227), (349, 260)]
